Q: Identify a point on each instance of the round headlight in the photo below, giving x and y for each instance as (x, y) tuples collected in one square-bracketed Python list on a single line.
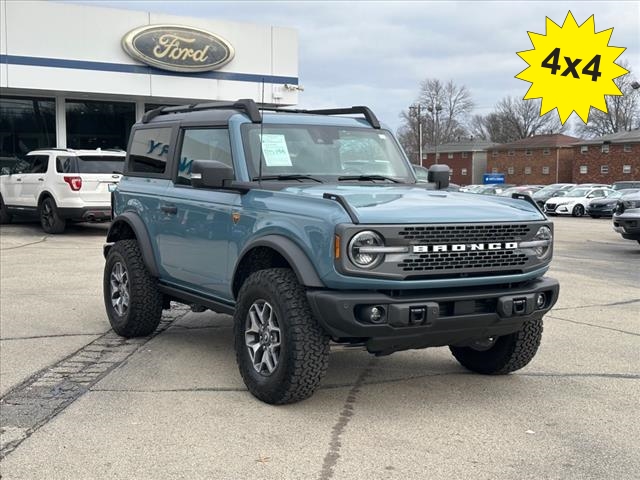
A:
[(543, 235), (358, 252)]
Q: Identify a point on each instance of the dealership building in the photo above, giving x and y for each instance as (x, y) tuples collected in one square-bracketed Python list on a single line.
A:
[(78, 76)]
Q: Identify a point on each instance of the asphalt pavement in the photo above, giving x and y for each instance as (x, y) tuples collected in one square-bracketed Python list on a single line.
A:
[(79, 402)]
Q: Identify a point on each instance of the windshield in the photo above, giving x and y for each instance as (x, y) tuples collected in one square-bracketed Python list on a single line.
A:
[(323, 151), (578, 192)]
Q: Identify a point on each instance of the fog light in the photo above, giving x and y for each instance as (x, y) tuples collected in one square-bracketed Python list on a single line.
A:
[(372, 314), (541, 300)]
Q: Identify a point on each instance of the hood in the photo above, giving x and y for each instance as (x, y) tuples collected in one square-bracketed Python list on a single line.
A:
[(410, 204), (603, 201)]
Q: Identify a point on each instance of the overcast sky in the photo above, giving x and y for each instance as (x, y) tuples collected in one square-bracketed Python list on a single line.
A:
[(377, 53)]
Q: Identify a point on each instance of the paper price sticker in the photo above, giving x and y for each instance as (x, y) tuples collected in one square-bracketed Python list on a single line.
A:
[(571, 68)]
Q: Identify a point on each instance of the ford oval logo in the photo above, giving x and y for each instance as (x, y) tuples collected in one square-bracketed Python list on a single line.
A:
[(177, 48)]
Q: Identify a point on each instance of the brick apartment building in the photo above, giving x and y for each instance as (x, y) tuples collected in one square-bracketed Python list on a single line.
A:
[(467, 159), (608, 159), (538, 160)]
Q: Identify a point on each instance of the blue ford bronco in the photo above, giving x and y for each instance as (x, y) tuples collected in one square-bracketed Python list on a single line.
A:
[(310, 228)]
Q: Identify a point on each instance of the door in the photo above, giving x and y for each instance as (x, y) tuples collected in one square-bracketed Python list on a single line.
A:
[(196, 224), (33, 180)]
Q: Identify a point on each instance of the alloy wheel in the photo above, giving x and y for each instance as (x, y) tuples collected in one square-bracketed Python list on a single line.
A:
[(119, 280), (262, 337)]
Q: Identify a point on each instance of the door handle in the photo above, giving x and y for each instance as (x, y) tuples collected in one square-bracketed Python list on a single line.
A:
[(18, 179), (169, 209), (41, 179)]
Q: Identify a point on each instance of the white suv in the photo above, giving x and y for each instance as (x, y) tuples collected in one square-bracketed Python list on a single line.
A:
[(59, 185)]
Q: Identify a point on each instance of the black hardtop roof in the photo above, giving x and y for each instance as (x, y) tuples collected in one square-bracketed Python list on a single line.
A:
[(222, 111)]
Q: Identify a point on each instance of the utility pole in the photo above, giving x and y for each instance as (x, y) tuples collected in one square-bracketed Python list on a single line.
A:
[(416, 111)]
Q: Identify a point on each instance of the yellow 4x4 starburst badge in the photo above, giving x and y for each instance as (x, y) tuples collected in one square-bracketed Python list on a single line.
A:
[(571, 68)]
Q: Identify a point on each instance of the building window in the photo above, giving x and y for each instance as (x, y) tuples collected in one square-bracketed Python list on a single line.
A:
[(494, 170), (511, 153), (546, 151), (545, 170), (583, 169), (463, 171), (25, 124), (437, 156), (527, 170), (92, 124), (605, 148), (527, 152), (450, 155), (511, 170), (494, 153), (584, 149), (464, 154), (627, 147), (626, 169), (604, 169)]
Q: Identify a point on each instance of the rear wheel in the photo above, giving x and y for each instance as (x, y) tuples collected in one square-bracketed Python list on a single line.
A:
[(282, 352), (131, 296), (578, 211), (5, 216), (50, 218), (501, 355)]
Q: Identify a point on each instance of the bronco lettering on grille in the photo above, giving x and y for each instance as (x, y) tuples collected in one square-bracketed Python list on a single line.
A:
[(471, 247)]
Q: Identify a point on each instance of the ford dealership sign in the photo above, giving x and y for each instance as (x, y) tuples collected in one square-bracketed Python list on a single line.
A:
[(177, 48)]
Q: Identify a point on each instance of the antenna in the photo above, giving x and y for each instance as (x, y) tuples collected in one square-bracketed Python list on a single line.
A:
[(261, 130)]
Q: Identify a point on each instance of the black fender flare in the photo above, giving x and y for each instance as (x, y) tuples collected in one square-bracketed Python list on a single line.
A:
[(136, 224), (292, 253)]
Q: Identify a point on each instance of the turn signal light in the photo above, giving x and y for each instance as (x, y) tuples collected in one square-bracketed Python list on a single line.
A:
[(74, 182)]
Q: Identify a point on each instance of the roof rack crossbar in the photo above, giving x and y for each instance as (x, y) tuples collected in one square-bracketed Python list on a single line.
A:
[(366, 111), (248, 105)]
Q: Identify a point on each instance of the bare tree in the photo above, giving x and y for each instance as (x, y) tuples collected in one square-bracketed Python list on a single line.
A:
[(443, 111), (513, 119), (623, 110)]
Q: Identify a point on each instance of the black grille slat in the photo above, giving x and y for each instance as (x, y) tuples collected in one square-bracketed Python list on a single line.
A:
[(463, 260), (441, 234)]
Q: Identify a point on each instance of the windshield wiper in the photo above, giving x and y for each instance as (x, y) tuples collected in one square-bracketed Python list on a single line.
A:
[(292, 176), (368, 177)]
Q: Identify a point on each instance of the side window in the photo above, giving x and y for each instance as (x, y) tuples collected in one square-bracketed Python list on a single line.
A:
[(39, 164), (598, 193), (65, 165), (202, 144), (149, 151), (22, 165)]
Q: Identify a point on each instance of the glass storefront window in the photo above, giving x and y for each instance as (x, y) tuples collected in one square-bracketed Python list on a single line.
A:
[(93, 124), (26, 124)]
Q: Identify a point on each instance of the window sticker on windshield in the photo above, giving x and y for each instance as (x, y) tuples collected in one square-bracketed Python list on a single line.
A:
[(274, 148)]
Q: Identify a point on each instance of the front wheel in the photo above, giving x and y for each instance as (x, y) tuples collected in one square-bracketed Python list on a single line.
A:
[(501, 355), (282, 352), (131, 296), (578, 211)]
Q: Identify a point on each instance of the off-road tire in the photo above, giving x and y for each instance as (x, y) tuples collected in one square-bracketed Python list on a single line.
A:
[(510, 352), (50, 219), (5, 216), (145, 301), (304, 350), (578, 211)]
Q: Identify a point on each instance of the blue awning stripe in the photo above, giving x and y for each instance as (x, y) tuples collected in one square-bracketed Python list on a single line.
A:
[(141, 69)]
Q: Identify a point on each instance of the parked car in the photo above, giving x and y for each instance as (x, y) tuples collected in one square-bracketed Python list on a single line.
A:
[(626, 184), (526, 189), (604, 207), (626, 219), (471, 188), (60, 185), (575, 201), (491, 189), (303, 252), (553, 190)]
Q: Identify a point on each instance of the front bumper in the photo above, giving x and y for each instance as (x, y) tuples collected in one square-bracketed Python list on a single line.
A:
[(430, 318), (601, 210), (628, 226)]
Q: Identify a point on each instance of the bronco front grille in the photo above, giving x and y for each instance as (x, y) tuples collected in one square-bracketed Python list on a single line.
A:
[(463, 233), (433, 262)]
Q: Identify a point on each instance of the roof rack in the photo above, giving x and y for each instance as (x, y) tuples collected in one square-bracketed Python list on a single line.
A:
[(248, 105), (254, 113)]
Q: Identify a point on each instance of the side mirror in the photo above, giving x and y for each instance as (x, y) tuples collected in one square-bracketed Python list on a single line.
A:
[(210, 174), (439, 174), (591, 196)]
